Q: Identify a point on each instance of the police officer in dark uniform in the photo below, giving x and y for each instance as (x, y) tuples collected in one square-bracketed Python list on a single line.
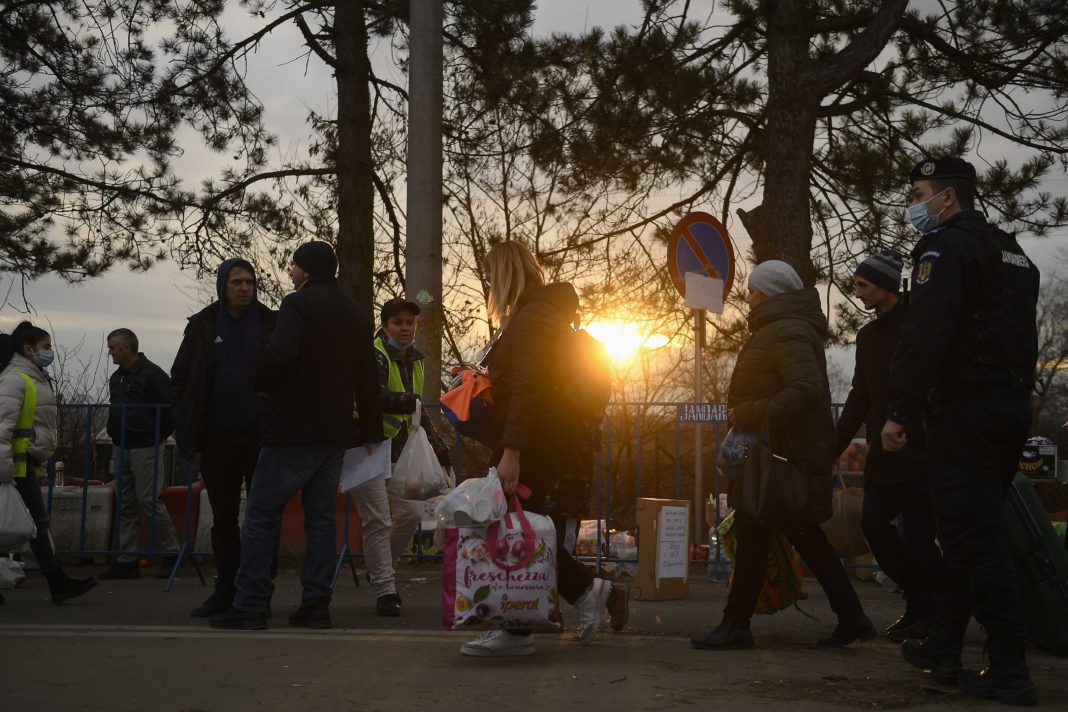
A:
[(963, 372)]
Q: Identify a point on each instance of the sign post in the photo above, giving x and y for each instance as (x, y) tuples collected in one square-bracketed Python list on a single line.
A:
[(701, 263)]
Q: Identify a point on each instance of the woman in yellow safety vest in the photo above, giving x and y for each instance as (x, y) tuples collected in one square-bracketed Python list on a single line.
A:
[(387, 521), (28, 416)]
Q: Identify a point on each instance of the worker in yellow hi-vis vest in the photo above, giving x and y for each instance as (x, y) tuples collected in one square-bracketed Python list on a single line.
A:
[(388, 522), (28, 416)]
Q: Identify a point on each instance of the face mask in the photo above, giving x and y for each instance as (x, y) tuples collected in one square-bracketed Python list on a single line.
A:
[(44, 358), (923, 220), (398, 345)]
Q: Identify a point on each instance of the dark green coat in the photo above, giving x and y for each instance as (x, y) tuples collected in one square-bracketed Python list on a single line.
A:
[(780, 380)]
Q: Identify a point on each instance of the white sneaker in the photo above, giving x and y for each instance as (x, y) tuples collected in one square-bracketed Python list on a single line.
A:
[(498, 644), (591, 609)]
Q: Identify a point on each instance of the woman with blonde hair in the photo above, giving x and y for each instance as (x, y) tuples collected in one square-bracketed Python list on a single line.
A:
[(539, 440)]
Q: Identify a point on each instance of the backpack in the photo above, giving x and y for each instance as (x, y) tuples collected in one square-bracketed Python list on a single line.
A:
[(585, 385)]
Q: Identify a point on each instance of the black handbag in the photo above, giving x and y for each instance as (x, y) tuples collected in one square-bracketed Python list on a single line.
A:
[(773, 489)]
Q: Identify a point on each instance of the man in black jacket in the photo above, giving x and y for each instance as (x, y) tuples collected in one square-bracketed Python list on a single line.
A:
[(137, 426), (896, 484), (216, 412), (317, 366), (965, 365)]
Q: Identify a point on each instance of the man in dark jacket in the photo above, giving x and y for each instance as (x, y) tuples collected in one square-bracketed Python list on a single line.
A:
[(896, 484), (965, 367), (217, 413), (136, 430), (317, 366)]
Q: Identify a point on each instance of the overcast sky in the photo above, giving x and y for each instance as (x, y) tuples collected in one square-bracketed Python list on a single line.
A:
[(155, 304)]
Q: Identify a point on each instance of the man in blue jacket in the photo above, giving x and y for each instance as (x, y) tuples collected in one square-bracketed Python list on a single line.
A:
[(216, 412), (317, 366)]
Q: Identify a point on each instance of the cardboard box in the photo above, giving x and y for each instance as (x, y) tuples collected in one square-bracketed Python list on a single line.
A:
[(1039, 461), (663, 549)]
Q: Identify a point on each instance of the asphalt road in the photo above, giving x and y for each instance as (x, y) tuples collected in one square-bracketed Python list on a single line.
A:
[(129, 646)]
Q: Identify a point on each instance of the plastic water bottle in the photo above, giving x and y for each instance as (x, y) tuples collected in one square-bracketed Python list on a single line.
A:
[(59, 474)]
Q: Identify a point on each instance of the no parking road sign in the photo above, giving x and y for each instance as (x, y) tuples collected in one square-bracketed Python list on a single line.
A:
[(700, 248), (700, 244)]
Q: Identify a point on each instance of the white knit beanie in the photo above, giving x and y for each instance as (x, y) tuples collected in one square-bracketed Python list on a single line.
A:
[(775, 277)]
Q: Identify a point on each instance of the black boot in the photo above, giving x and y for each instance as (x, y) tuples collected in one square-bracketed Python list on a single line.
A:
[(730, 634), (315, 614), (388, 605), (1006, 678), (847, 632), (63, 587), (220, 599), (939, 653), (912, 624), (237, 619)]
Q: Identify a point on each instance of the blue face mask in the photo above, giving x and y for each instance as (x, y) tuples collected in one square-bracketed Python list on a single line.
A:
[(923, 220), (398, 345), (44, 358)]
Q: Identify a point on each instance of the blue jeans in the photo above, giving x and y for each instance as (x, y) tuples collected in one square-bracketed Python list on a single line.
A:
[(280, 474)]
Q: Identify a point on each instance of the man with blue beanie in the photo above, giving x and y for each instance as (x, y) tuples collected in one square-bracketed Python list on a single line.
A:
[(216, 412)]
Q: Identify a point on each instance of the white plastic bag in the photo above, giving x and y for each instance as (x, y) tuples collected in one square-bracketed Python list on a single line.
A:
[(476, 502), (418, 475), (12, 573), (16, 524)]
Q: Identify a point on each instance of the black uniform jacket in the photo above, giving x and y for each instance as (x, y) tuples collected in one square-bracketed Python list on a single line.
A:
[(867, 400), (971, 318)]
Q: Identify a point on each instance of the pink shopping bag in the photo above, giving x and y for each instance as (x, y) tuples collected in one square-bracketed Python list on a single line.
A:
[(502, 575)]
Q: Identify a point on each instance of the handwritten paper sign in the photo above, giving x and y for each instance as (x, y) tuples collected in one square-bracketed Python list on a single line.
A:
[(672, 552)]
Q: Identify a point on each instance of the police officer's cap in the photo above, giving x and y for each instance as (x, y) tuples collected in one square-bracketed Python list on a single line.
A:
[(939, 168)]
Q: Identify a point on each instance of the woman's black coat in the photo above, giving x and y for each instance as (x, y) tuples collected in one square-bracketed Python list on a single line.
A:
[(780, 382)]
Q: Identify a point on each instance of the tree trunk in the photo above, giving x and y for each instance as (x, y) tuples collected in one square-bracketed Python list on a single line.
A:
[(785, 229), (355, 170)]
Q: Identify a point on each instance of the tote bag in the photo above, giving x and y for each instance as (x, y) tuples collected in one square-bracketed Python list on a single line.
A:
[(502, 575)]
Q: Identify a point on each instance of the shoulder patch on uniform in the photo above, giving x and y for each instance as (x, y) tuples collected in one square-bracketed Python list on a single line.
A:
[(924, 266), (1011, 258)]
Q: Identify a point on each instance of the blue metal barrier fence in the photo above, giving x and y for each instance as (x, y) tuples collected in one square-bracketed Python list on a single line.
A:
[(629, 428)]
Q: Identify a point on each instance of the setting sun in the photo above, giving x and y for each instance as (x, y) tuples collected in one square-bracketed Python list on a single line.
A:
[(624, 339)]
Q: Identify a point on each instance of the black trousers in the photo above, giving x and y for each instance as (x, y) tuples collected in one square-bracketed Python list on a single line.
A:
[(975, 440), (41, 545), (227, 463), (908, 555), (751, 562), (573, 577)]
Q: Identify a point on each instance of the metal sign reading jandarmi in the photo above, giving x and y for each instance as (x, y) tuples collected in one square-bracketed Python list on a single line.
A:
[(701, 412)]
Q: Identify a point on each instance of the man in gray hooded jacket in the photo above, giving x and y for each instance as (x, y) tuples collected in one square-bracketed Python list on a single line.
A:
[(216, 412)]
